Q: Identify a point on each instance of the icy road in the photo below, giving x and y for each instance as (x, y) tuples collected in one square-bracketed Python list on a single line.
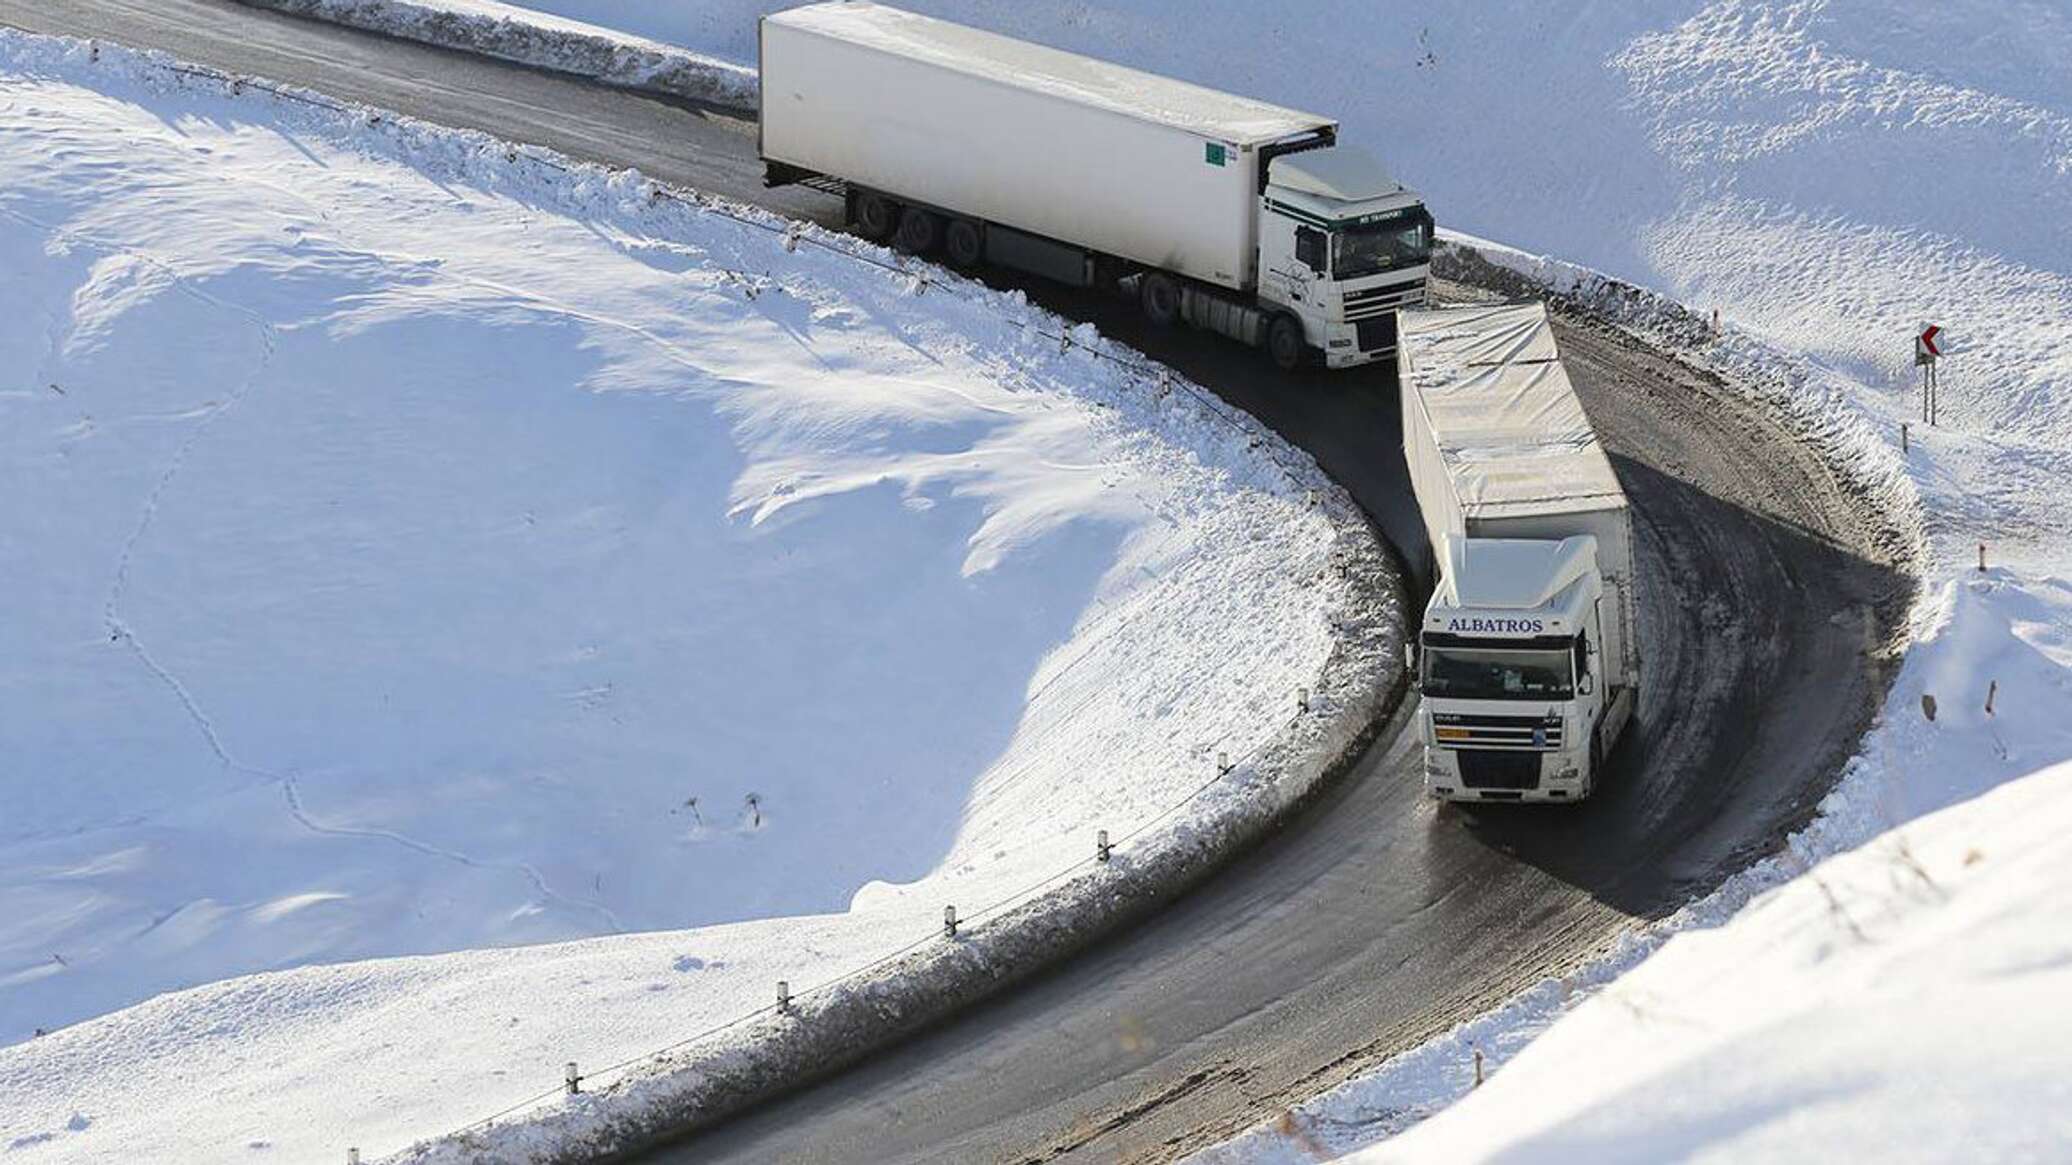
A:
[(1375, 920)]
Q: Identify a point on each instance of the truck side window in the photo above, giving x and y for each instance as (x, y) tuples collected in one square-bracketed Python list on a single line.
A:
[(1309, 248)]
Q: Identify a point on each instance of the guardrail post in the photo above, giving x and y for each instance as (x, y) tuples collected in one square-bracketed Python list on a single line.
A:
[(1478, 1067), (575, 1082), (1101, 846), (1222, 763), (1302, 699), (783, 997), (949, 922)]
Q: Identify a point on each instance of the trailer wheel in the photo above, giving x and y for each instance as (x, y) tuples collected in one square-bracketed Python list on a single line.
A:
[(1159, 296), (919, 231), (963, 243), (876, 215), (1284, 343)]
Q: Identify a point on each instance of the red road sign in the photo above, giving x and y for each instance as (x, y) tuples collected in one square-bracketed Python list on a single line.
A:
[(1927, 340)]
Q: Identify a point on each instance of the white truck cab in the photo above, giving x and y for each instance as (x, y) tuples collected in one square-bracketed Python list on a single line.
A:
[(1343, 247), (1511, 670)]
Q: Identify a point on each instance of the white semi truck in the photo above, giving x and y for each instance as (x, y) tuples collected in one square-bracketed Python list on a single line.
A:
[(1224, 212), (1527, 658)]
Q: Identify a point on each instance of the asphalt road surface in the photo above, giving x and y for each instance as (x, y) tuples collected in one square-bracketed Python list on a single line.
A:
[(1375, 919)]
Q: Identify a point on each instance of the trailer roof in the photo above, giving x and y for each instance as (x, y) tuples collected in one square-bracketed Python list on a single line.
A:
[(1510, 429), (1145, 96)]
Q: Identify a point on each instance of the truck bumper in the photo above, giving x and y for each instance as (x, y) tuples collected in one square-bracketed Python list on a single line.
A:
[(1560, 778), (1349, 345), (1351, 358)]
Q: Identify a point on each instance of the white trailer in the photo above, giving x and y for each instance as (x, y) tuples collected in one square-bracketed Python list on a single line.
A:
[(1528, 663), (1231, 214)]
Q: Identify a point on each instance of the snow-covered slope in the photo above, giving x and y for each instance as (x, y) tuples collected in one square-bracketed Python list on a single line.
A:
[(413, 549)]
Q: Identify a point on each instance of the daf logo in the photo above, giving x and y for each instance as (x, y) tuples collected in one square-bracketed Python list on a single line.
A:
[(1475, 626)]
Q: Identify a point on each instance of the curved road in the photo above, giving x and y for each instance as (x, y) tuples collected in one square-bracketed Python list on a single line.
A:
[(1375, 919)]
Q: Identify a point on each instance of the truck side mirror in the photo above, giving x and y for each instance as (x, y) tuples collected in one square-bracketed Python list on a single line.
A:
[(1585, 684)]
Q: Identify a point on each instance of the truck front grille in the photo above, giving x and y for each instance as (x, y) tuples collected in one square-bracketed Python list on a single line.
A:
[(1382, 301), (1506, 769), (1496, 732)]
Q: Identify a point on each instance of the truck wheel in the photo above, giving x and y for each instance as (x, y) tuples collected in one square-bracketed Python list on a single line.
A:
[(1284, 343), (963, 244), (1160, 299), (919, 231), (876, 216)]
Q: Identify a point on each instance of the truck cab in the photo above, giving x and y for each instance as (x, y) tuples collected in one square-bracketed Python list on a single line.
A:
[(1519, 703), (1342, 247)]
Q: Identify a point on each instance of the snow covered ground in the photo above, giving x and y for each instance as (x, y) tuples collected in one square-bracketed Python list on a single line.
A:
[(417, 550)]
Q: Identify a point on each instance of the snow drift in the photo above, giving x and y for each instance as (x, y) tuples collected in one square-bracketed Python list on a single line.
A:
[(425, 545), (543, 40)]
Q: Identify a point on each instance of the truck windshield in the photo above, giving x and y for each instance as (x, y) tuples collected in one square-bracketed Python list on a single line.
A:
[(1476, 673), (1402, 240)]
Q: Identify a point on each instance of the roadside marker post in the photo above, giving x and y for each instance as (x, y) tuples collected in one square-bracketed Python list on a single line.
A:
[(1928, 348)]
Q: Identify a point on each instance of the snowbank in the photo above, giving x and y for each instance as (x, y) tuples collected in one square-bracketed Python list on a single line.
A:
[(425, 544), (541, 39)]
